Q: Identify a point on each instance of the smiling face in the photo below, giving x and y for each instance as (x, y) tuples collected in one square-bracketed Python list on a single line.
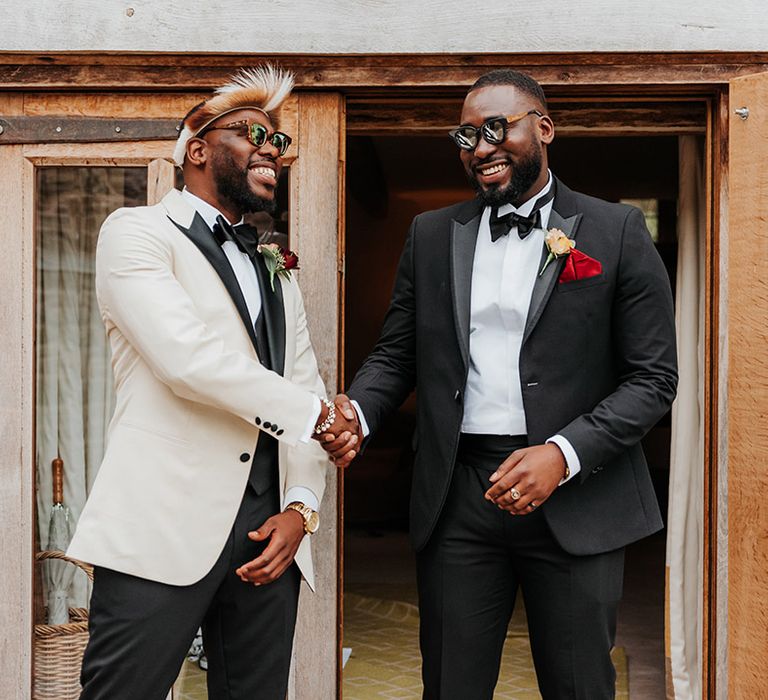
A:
[(230, 172), (516, 169)]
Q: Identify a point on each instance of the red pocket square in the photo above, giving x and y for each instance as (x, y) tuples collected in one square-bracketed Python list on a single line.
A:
[(579, 266)]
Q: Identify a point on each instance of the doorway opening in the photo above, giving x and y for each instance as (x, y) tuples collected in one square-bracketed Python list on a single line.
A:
[(390, 179)]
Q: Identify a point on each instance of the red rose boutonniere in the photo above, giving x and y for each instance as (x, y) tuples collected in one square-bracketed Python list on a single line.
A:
[(558, 244), (279, 261)]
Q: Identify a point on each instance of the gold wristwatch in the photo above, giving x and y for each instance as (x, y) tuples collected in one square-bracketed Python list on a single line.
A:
[(311, 518)]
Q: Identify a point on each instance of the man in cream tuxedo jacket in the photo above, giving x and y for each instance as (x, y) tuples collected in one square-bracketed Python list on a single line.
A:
[(210, 481)]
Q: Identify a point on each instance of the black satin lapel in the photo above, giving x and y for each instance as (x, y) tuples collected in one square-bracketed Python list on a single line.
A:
[(273, 308), (463, 241), (545, 283), (201, 236)]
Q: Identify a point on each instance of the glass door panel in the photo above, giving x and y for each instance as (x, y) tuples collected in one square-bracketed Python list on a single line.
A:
[(74, 378)]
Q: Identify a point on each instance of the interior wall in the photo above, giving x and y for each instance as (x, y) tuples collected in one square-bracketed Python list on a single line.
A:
[(389, 181)]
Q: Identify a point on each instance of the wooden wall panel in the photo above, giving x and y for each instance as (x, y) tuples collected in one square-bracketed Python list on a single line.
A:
[(748, 391), (315, 229), (16, 424), (396, 26)]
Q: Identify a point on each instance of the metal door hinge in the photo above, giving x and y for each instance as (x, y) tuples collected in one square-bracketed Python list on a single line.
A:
[(85, 129)]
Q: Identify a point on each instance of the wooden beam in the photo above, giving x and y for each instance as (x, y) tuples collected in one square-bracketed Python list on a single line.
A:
[(585, 118), (188, 72), (315, 229), (747, 390), (17, 440)]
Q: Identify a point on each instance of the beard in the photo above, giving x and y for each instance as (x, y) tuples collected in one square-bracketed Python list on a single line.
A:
[(232, 185), (524, 174)]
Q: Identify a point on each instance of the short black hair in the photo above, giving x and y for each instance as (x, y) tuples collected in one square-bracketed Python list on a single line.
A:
[(507, 76)]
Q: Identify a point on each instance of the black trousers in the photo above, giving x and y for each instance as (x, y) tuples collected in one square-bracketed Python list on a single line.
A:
[(468, 577), (140, 630)]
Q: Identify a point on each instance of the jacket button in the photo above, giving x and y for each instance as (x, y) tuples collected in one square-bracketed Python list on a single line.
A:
[(280, 432), (267, 424), (245, 457), (273, 427), (258, 420)]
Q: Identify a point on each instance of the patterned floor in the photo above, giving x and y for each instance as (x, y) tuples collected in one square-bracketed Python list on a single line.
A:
[(385, 662), (191, 683)]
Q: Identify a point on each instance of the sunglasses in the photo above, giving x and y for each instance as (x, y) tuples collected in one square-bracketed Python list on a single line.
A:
[(257, 134), (494, 130)]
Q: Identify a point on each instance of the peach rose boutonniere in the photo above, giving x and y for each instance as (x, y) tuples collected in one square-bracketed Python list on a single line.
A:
[(558, 245), (278, 261)]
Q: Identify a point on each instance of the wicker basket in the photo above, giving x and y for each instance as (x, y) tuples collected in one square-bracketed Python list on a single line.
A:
[(59, 648)]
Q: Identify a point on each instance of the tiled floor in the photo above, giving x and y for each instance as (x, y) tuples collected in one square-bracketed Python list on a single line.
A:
[(383, 567), (381, 618), (385, 662), (191, 683)]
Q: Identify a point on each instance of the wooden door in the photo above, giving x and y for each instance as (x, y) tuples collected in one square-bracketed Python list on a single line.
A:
[(314, 168), (744, 284)]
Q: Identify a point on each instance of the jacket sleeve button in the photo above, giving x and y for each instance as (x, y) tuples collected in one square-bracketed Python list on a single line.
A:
[(267, 424), (258, 420), (280, 432), (245, 457)]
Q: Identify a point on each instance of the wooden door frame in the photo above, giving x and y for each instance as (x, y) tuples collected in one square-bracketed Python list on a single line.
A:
[(72, 84), (617, 114)]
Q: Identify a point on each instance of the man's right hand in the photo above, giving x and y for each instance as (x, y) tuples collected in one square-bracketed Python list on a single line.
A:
[(343, 438)]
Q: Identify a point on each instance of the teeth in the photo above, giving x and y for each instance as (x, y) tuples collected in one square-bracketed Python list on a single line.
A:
[(264, 171), (493, 169)]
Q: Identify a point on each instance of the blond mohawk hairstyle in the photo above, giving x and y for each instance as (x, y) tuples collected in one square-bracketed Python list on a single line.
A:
[(264, 88)]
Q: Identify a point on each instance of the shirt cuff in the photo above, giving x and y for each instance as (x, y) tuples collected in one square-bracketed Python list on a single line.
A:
[(363, 425), (571, 458), (313, 417), (301, 494)]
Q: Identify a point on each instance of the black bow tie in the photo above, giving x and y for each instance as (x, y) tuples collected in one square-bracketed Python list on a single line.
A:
[(500, 225), (244, 236)]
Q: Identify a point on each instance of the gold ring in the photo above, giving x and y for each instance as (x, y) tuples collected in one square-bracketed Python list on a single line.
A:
[(532, 505), (514, 493)]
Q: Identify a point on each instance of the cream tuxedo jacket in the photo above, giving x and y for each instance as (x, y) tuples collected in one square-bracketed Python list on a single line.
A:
[(189, 390)]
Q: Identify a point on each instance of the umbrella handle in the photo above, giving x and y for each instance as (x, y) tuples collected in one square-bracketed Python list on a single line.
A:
[(53, 554)]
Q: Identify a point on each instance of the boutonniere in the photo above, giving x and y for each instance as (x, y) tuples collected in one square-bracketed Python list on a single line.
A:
[(279, 261), (558, 244)]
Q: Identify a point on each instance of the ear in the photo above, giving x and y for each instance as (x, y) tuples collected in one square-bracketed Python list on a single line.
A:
[(546, 129), (197, 151)]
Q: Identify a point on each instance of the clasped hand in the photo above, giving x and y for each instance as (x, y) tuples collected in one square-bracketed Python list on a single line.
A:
[(342, 439), (526, 478)]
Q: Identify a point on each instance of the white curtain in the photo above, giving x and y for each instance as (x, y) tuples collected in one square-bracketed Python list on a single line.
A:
[(684, 579), (74, 377)]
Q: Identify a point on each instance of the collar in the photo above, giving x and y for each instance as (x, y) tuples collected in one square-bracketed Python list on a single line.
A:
[(207, 211)]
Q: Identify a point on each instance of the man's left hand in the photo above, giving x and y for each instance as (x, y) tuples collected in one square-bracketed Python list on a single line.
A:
[(534, 472), (284, 532)]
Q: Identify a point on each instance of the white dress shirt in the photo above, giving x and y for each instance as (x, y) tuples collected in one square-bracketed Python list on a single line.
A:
[(245, 273), (503, 275)]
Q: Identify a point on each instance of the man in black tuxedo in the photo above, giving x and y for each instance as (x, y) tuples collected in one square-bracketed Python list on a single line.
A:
[(537, 327)]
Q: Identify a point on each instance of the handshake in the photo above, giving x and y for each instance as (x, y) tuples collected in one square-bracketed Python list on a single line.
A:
[(338, 430)]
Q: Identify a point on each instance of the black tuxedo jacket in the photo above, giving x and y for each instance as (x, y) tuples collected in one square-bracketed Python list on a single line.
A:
[(597, 364)]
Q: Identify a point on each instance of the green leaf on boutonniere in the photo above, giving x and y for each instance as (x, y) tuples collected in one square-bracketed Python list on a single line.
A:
[(278, 261)]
